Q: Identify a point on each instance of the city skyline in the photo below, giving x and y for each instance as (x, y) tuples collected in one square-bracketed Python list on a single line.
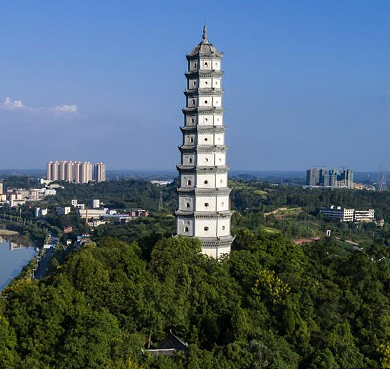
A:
[(298, 74)]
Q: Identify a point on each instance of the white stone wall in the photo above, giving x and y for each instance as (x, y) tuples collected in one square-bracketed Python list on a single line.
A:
[(205, 139), (206, 203), (189, 139), (223, 227), (194, 65), (205, 64), (191, 120), (185, 226), (187, 181), (205, 160), (189, 159), (205, 120), (205, 181), (216, 64), (221, 180), (205, 228), (186, 203)]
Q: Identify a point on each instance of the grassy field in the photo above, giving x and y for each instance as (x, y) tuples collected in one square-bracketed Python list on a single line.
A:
[(247, 186), (270, 230), (260, 192)]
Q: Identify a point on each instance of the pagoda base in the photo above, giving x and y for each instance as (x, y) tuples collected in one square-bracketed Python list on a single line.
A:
[(216, 247)]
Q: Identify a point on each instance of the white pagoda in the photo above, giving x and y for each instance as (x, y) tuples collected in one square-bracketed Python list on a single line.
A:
[(204, 204)]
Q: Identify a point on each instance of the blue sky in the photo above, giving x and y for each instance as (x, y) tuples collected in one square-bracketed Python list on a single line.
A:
[(306, 82)]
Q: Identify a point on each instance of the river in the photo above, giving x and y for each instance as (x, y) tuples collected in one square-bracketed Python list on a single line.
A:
[(14, 255)]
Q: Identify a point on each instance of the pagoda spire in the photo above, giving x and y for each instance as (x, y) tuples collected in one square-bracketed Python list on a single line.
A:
[(204, 36)]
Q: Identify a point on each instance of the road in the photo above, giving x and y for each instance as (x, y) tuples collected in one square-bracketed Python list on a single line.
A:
[(40, 273)]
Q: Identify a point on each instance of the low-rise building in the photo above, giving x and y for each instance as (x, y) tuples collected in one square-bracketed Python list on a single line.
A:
[(40, 212), (63, 210), (343, 214), (139, 213), (96, 203), (14, 202), (364, 215), (92, 213), (338, 213)]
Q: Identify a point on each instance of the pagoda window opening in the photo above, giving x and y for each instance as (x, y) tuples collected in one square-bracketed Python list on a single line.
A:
[(206, 204), (206, 228), (186, 229)]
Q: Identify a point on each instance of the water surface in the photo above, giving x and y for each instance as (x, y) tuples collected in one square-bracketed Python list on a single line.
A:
[(14, 255)]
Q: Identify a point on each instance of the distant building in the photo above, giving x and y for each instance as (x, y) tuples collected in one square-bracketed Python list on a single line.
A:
[(99, 173), (329, 178), (1, 188), (92, 213), (40, 212), (348, 215), (75, 171), (358, 186), (171, 345), (63, 210), (338, 213), (313, 177), (161, 183), (364, 215), (95, 203), (138, 213)]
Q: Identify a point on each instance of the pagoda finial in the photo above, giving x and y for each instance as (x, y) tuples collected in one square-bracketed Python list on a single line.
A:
[(204, 33)]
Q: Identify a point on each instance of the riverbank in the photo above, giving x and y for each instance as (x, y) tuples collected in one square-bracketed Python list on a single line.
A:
[(7, 232), (17, 260)]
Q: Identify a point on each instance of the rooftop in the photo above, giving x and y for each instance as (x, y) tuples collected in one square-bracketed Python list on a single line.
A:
[(205, 47)]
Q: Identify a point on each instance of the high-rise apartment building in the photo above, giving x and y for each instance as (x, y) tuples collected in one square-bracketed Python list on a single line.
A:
[(69, 171), (75, 171), (204, 204), (55, 170), (330, 178), (99, 174), (62, 170), (86, 172)]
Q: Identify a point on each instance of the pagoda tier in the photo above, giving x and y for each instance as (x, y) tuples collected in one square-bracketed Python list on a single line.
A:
[(204, 203)]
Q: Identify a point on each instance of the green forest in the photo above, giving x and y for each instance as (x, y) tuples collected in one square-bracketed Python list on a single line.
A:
[(271, 304)]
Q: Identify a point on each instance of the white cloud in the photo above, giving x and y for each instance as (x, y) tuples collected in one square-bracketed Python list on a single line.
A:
[(65, 109), (12, 105), (58, 110)]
